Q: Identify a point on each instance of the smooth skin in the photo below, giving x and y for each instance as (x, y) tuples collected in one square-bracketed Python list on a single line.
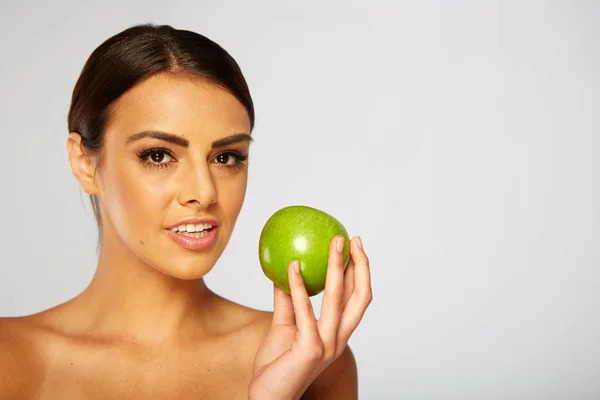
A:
[(147, 327)]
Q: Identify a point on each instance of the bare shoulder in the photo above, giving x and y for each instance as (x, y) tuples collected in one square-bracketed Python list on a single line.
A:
[(19, 359), (262, 321), (248, 320), (259, 324), (338, 381)]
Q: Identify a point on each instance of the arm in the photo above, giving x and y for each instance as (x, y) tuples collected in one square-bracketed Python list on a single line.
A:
[(338, 381)]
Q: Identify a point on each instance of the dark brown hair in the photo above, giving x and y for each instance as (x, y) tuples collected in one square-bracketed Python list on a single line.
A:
[(135, 54)]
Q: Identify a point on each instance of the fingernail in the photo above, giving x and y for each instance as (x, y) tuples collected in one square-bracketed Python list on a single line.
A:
[(339, 244), (297, 267), (359, 242)]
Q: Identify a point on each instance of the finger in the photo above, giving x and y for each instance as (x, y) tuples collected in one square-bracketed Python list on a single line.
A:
[(348, 278), (362, 279), (361, 274), (331, 308), (305, 316), (361, 295), (283, 309)]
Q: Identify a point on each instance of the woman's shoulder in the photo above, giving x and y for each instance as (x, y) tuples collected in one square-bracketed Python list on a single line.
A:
[(20, 359), (246, 320), (15, 342)]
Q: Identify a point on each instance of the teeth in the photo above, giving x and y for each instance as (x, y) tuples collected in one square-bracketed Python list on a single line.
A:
[(196, 235), (191, 228)]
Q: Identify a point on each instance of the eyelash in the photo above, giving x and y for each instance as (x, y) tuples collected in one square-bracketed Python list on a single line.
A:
[(239, 159), (144, 154)]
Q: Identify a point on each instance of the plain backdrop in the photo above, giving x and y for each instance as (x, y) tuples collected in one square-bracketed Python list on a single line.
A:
[(460, 139)]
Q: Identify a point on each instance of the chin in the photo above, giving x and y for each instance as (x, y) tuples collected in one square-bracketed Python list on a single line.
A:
[(189, 268)]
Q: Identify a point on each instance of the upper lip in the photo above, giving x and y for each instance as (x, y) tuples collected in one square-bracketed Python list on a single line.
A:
[(196, 221)]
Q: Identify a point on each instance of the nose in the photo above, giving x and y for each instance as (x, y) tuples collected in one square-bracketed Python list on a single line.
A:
[(197, 187)]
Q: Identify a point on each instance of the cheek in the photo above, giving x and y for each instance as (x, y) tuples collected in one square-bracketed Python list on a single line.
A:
[(133, 201), (231, 193)]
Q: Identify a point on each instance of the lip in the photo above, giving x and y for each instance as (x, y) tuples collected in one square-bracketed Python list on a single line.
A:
[(191, 243)]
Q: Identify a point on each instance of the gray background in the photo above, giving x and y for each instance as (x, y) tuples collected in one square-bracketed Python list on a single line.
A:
[(460, 139)]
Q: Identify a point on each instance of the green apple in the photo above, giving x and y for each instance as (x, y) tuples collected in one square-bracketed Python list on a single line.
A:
[(300, 233)]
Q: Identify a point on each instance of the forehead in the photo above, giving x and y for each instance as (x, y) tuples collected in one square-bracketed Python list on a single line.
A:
[(183, 105)]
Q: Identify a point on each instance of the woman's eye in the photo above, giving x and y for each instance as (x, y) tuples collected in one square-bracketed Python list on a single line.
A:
[(230, 160), (158, 157), (225, 159)]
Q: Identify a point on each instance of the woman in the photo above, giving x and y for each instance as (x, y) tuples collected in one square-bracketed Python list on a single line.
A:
[(160, 126)]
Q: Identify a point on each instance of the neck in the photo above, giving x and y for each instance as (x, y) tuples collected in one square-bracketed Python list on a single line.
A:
[(128, 299)]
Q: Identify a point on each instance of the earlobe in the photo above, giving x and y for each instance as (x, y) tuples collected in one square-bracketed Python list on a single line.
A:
[(82, 165)]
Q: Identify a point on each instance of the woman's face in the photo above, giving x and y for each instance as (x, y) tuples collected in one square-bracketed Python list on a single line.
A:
[(173, 174)]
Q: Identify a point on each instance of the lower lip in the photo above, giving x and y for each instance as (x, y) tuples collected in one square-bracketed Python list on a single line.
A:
[(193, 243)]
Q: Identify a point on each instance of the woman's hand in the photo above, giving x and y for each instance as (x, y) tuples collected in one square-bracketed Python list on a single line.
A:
[(298, 347)]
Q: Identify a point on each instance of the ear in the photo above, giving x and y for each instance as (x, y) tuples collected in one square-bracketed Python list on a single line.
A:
[(83, 166)]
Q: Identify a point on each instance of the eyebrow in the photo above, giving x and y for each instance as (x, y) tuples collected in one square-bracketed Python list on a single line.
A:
[(183, 142), (238, 137)]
